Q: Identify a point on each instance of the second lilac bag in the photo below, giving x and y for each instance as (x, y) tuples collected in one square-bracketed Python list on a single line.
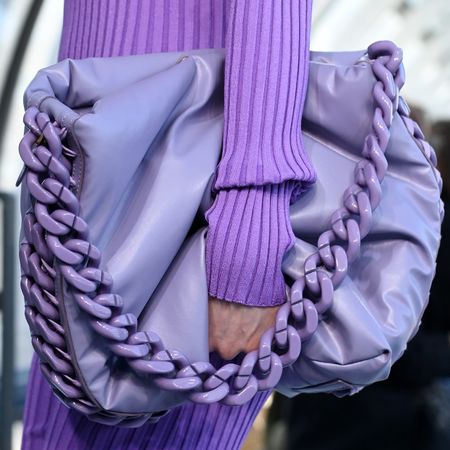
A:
[(120, 155)]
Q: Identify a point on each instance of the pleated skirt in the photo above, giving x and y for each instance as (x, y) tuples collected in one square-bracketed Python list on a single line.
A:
[(51, 425)]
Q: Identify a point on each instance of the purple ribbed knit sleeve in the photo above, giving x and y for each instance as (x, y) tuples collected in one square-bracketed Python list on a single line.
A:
[(267, 54), (263, 167)]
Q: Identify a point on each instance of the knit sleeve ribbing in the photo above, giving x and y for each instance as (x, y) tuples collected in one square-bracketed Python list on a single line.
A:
[(248, 234), (266, 72), (264, 167)]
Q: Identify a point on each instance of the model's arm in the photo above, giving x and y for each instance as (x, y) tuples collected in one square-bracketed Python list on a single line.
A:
[(264, 166)]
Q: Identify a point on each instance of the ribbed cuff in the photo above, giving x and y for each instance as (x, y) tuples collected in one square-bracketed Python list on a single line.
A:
[(248, 235)]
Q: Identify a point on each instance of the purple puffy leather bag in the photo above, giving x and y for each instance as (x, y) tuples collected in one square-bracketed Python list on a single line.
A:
[(120, 156)]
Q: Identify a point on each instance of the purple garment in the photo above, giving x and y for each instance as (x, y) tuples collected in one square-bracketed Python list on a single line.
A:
[(264, 169)]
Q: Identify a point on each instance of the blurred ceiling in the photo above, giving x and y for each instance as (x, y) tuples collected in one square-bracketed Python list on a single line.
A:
[(419, 27)]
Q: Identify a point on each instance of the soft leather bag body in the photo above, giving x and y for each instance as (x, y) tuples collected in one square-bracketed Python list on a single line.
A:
[(120, 156)]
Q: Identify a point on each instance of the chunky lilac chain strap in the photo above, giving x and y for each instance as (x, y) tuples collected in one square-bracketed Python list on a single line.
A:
[(55, 234)]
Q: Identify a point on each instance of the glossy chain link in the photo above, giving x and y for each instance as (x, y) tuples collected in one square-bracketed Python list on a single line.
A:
[(55, 234)]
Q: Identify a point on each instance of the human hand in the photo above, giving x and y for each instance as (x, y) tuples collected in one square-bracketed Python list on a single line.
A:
[(235, 328)]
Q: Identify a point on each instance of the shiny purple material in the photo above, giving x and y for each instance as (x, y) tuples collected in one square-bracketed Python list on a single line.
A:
[(355, 300)]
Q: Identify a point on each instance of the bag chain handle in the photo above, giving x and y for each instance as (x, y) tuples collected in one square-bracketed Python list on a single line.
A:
[(56, 234)]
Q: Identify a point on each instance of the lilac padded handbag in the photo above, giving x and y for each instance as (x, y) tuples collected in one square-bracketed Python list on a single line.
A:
[(120, 156)]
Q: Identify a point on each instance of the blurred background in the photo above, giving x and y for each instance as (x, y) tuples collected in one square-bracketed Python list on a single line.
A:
[(411, 410)]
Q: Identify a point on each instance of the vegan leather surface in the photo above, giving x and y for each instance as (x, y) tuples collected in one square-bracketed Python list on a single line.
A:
[(147, 130)]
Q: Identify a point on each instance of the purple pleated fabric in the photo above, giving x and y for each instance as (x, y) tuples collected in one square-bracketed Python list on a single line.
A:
[(50, 425), (263, 170)]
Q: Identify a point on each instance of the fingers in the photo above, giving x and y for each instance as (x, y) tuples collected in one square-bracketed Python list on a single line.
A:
[(235, 328), (227, 349)]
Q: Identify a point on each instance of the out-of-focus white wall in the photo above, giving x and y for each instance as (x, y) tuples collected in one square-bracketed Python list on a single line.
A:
[(11, 16)]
